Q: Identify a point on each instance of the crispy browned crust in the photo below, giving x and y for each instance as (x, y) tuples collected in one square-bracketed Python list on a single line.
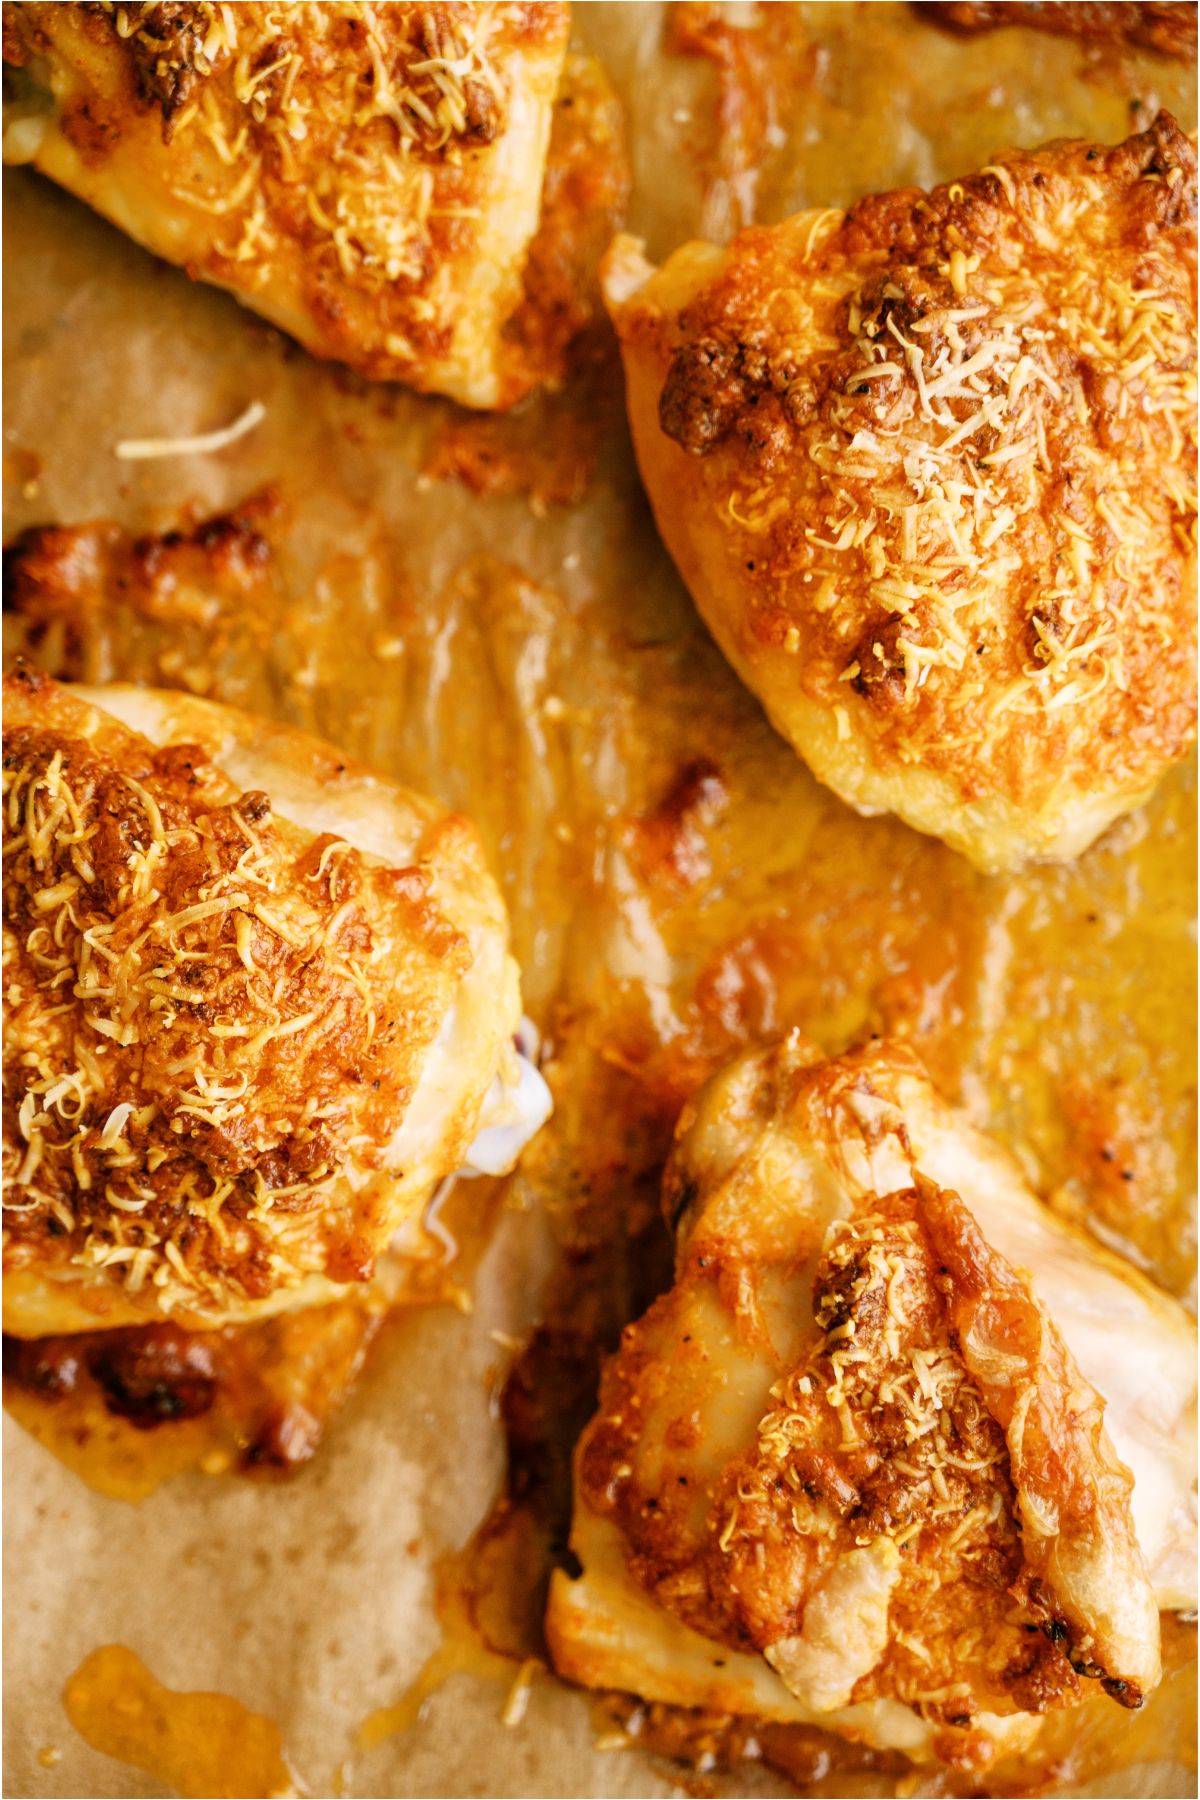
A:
[(208, 580), (1165, 26), (939, 475), (171, 57), (215, 1020), (347, 170), (838, 1463), (1074, 1491), (583, 201), (927, 1432)]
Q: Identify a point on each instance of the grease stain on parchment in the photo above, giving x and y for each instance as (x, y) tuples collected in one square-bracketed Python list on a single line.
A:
[(198, 1744)]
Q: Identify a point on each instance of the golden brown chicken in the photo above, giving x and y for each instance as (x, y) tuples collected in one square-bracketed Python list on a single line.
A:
[(856, 1468), (259, 1002), (927, 467), (367, 177), (1165, 26)]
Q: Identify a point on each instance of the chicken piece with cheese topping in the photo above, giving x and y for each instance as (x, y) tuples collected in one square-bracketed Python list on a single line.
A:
[(900, 1453), (927, 467), (1158, 25), (367, 177), (258, 1002)]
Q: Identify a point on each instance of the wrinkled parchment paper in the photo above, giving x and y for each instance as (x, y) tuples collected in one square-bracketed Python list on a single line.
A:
[(312, 1601)]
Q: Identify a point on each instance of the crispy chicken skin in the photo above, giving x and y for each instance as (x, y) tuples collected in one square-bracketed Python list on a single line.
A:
[(927, 467), (857, 1467), (367, 177), (258, 1002), (1165, 26)]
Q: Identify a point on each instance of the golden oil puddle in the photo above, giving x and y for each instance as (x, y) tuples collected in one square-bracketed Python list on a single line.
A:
[(489, 1600), (198, 1744), (455, 1655), (1086, 1743), (129, 1409)]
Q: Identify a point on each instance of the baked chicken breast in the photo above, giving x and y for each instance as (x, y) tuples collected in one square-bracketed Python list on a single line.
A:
[(900, 1453), (927, 467), (367, 177), (259, 1001)]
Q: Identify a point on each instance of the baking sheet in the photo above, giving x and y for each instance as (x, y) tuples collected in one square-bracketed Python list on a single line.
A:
[(538, 664)]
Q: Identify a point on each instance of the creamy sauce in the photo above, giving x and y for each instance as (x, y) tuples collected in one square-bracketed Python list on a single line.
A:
[(197, 1744)]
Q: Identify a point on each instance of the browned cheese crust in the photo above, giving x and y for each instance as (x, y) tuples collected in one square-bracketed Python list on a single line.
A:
[(367, 176), (926, 1506), (844, 1459), (1165, 26), (215, 1021), (928, 468)]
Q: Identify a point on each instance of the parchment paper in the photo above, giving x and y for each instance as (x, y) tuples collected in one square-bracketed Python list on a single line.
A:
[(312, 1601)]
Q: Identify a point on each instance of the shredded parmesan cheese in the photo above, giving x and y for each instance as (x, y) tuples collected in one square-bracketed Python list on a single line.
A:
[(202, 444)]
